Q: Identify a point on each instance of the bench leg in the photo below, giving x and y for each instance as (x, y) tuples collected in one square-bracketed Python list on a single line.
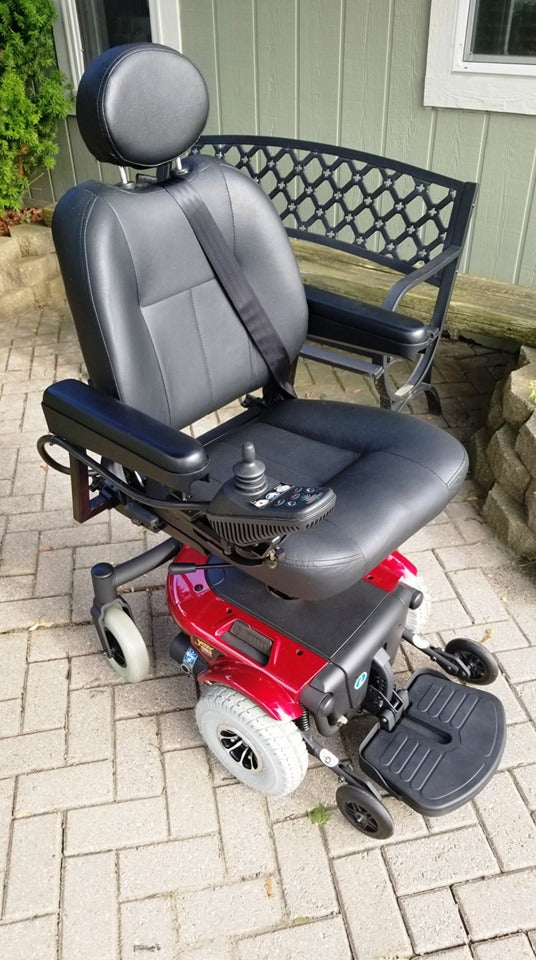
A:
[(396, 399), (385, 400), (432, 397), (418, 381)]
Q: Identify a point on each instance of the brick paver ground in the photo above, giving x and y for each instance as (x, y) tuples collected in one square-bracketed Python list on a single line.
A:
[(121, 839)]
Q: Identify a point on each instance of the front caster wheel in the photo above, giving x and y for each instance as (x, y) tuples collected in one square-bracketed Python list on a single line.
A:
[(479, 661), (130, 658), (266, 754), (364, 811)]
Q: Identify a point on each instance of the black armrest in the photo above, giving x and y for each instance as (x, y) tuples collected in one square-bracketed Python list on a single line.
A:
[(83, 416), (342, 320)]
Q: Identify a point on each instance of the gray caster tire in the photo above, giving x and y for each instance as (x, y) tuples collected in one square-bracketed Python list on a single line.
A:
[(130, 657), (417, 620)]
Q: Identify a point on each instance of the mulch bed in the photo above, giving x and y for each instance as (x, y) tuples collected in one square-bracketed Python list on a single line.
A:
[(12, 217)]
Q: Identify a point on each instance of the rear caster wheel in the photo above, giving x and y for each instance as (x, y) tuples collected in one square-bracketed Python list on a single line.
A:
[(266, 754), (479, 661), (364, 811), (130, 658), (416, 620)]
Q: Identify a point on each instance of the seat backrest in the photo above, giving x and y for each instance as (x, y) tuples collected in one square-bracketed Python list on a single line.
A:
[(155, 327)]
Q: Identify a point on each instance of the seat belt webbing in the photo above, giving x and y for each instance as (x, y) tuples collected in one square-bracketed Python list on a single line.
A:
[(234, 282)]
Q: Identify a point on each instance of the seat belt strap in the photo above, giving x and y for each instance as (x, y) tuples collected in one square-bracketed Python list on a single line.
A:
[(234, 282)]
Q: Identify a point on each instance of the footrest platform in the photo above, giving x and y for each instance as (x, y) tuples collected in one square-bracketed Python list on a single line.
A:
[(444, 749)]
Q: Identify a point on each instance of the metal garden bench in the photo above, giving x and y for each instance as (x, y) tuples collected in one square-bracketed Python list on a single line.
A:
[(396, 215)]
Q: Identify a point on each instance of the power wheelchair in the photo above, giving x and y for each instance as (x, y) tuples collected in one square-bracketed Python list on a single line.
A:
[(283, 523)]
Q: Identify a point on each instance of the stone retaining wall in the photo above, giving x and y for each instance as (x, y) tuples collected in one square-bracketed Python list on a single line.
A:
[(29, 271), (503, 455)]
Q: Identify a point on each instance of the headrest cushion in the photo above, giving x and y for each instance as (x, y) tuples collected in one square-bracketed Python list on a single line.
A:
[(140, 105)]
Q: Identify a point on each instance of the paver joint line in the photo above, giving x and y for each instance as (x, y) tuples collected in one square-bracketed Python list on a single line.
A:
[(96, 776)]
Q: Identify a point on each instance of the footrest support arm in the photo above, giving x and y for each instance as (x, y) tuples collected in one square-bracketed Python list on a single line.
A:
[(446, 661), (341, 769), (106, 578)]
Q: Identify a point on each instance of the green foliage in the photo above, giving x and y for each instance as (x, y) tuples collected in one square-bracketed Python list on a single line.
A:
[(34, 95), (319, 814)]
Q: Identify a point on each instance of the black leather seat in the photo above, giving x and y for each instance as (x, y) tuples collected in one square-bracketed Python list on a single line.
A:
[(391, 474), (159, 334)]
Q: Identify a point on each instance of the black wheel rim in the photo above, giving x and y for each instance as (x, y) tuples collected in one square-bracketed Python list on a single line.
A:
[(361, 818), (475, 665), (115, 649), (239, 750)]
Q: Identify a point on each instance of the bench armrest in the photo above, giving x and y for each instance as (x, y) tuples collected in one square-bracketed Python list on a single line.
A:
[(420, 275), (83, 416)]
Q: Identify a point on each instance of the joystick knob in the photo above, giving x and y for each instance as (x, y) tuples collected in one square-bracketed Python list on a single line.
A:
[(249, 473)]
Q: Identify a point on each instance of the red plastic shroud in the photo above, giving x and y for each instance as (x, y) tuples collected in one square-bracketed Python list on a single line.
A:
[(205, 618)]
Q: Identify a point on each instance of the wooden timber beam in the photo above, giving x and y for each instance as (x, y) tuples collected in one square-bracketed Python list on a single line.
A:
[(478, 306)]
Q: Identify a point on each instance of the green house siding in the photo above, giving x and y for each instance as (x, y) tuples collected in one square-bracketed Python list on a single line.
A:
[(348, 72)]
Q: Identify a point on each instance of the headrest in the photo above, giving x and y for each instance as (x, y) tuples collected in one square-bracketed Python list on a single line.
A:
[(140, 105)]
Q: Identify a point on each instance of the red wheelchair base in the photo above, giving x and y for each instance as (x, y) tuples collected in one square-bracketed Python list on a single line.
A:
[(207, 619)]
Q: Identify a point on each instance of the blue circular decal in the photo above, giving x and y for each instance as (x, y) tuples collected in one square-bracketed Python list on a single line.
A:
[(360, 680)]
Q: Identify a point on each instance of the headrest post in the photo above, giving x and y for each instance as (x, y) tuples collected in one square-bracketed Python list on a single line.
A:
[(163, 172), (178, 169), (123, 175)]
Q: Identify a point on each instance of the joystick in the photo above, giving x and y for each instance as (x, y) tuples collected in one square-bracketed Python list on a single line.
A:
[(250, 473), (252, 508)]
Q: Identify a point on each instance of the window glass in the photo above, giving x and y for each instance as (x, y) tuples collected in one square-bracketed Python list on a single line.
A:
[(503, 29), (109, 23)]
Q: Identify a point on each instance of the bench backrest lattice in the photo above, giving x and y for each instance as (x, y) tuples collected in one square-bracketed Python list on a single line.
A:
[(392, 213), (381, 209)]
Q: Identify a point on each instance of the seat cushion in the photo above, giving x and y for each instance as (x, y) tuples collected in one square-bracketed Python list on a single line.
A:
[(391, 473)]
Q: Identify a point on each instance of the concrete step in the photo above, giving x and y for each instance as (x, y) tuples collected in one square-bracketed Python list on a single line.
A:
[(50, 291), (37, 269), (9, 252), (24, 299), (32, 281), (10, 276), (27, 272), (15, 302), (33, 239)]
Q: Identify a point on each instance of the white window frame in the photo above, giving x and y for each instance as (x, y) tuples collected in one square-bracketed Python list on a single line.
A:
[(452, 81), (69, 51)]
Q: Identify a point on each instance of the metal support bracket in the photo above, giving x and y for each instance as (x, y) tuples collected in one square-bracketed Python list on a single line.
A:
[(341, 769), (106, 579)]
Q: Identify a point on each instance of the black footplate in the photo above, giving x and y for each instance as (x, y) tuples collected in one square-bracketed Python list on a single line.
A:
[(443, 751)]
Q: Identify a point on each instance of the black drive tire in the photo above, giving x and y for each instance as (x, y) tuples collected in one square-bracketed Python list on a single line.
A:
[(266, 754), (481, 662), (364, 812)]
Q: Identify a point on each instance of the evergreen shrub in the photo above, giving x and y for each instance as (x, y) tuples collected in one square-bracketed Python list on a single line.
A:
[(34, 96)]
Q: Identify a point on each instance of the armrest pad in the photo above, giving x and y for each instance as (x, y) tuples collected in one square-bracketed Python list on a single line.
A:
[(343, 320), (81, 415)]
